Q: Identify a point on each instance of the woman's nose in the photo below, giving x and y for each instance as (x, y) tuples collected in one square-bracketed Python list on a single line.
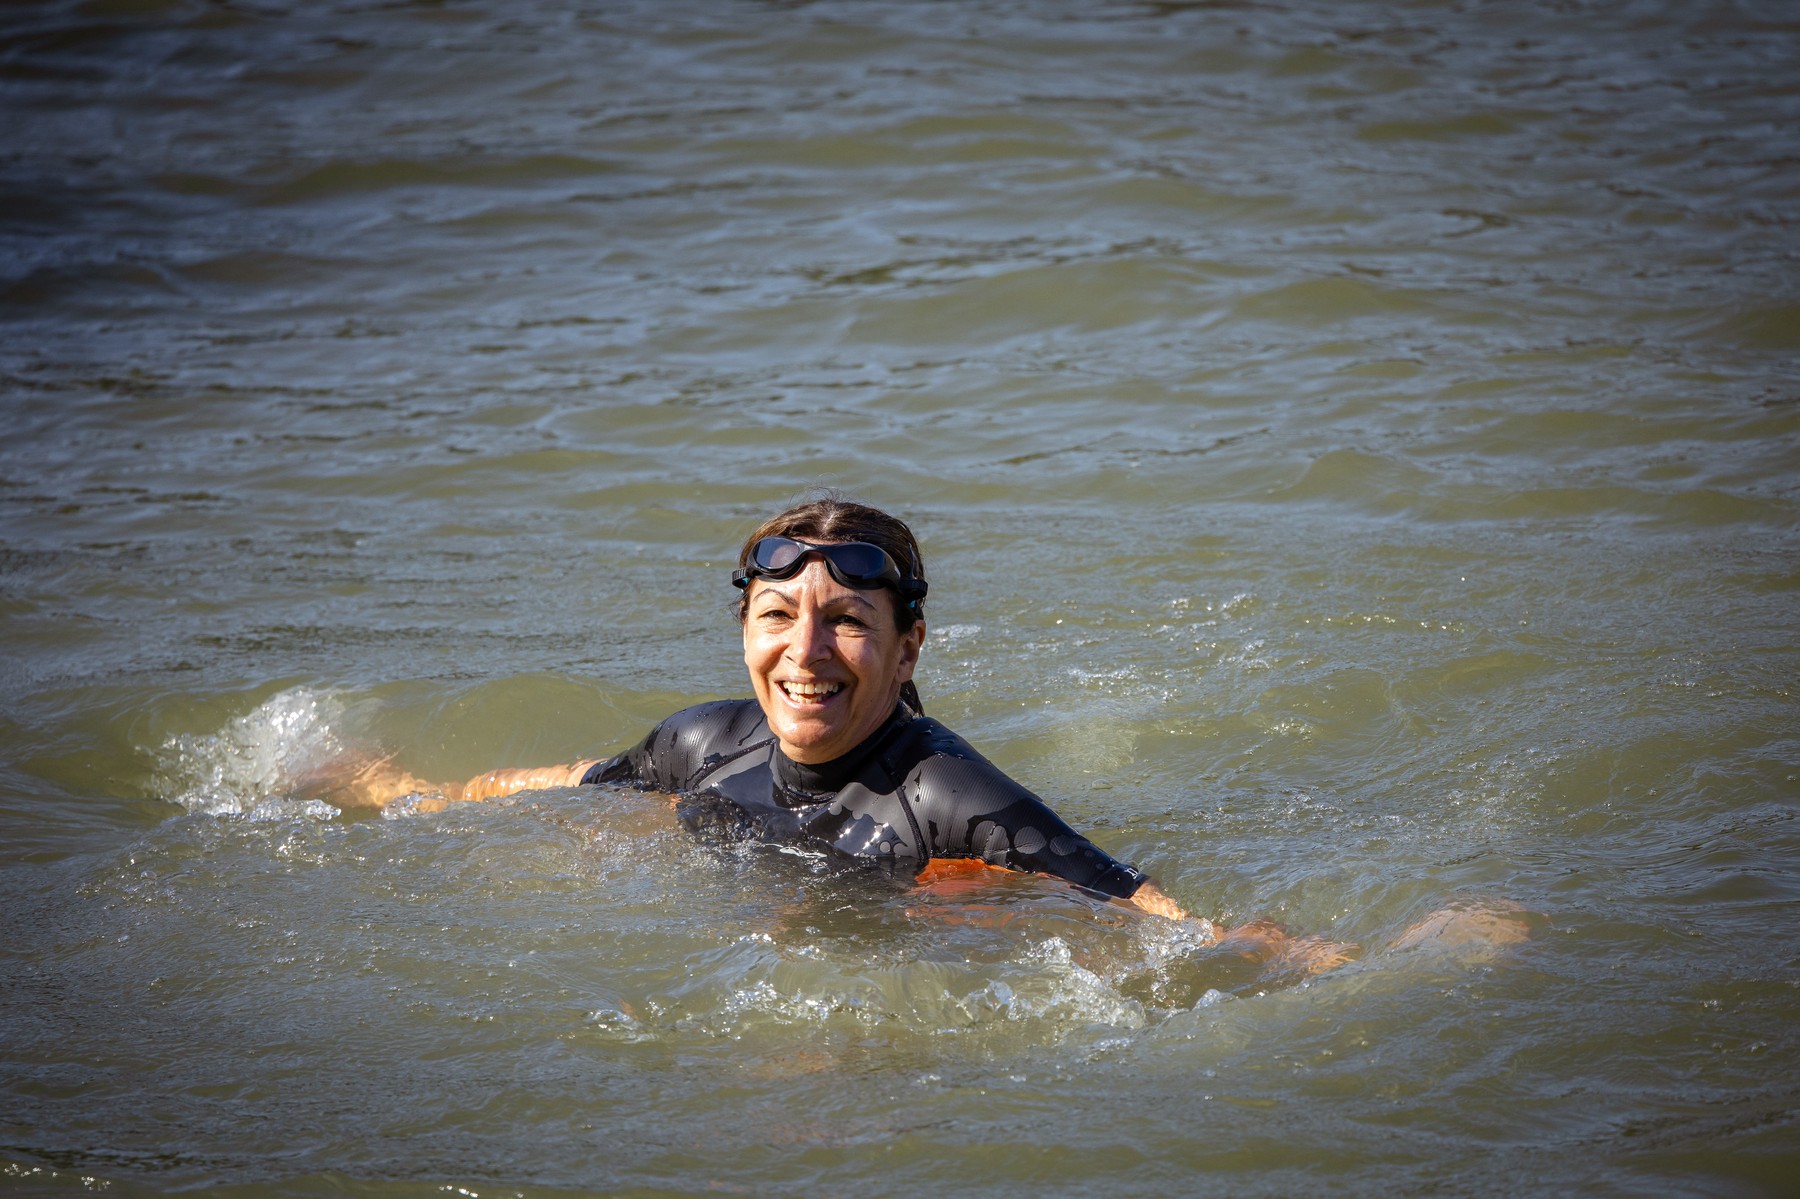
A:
[(810, 638)]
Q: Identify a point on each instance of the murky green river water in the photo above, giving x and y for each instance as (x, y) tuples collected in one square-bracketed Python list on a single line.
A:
[(1354, 447)]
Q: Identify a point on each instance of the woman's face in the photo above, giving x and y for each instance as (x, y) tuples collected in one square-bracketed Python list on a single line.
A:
[(826, 660)]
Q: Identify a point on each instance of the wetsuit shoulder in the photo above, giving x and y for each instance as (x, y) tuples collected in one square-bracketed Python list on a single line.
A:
[(684, 746), (969, 808)]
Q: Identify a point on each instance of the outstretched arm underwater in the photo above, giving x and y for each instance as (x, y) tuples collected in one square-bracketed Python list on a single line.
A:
[(1259, 942), (378, 783)]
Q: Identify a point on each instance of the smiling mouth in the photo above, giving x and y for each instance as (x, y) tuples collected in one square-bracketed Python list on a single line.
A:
[(809, 693)]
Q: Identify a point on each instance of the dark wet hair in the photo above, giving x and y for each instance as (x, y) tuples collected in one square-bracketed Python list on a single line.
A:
[(827, 516)]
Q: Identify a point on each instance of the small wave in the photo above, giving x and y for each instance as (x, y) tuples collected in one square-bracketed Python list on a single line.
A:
[(253, 765), (1073, 993), (1039, 989), (956, 636)]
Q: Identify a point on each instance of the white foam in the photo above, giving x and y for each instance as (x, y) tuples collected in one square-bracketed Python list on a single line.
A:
[(249, 767)]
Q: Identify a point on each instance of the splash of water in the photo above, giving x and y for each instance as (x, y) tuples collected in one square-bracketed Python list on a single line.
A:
[(256, 764)]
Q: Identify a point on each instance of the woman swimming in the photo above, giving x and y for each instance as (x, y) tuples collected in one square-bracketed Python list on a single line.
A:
[(834, 750)]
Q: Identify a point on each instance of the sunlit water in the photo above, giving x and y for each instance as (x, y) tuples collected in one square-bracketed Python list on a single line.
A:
[(1354, 448)]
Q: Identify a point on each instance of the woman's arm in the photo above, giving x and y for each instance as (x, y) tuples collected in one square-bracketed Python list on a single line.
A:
[(1258, 941), (496, 783), (365, 783), (378, 783)]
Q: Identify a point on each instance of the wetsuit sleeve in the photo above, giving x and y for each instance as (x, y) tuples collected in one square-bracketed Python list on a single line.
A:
[(970, 809), (628, 768), (677, 751)]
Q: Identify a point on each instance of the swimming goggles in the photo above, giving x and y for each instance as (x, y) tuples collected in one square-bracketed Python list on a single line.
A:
[(853, 563)]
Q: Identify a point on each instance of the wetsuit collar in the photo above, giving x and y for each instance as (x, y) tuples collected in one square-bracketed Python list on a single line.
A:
[(826, 777)]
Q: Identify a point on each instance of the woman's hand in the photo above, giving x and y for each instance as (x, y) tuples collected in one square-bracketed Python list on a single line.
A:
[(1267, 943), (358, 779), (1150, 898), (1471, 934)]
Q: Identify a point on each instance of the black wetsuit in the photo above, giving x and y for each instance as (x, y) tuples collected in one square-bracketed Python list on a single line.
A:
[(914, 790)]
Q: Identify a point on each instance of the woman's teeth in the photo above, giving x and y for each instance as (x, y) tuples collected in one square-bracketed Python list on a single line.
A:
[(811, 690)]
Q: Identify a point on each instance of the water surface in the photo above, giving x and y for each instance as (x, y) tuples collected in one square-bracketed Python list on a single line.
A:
[(1353, 448)]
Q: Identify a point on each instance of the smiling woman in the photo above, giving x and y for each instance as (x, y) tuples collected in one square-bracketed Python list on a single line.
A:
[(827, 662), (835, 752)]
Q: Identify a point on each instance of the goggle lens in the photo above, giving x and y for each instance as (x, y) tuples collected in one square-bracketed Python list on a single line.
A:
[(776, 557)]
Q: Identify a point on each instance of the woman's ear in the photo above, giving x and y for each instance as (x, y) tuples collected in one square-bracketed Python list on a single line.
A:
[(911, 642)]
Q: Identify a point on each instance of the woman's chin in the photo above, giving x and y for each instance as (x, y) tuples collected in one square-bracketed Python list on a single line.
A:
[(811, 733), (811, 747), (814, 737)]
